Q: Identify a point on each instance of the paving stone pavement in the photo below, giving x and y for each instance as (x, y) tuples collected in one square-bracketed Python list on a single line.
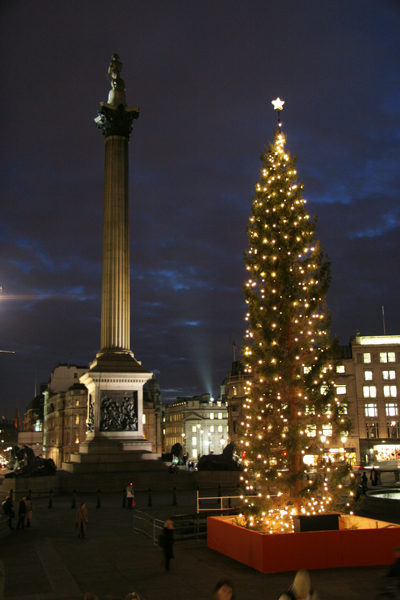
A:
[(49, 562)]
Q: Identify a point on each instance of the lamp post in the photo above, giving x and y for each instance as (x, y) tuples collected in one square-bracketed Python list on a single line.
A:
[(222, 442), (198, 440)]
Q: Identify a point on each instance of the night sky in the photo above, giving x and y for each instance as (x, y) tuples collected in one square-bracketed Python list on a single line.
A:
[(204, 73)]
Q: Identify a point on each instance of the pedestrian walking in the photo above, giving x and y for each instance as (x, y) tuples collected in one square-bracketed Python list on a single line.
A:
[(167, 542), (29, 510), (223, 590), (81, 520), (8, 509), (300, 589), (21, 514), (374, 477), (364, 482), (130, 497)]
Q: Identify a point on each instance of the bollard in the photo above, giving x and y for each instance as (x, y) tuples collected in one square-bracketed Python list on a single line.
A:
[(149, 501), (50, 499), (174, 502), (73, 505), (124, 498), (98, 504)]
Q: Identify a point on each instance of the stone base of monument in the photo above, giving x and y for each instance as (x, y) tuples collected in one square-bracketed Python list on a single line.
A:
[(358, 542), (105, 455)]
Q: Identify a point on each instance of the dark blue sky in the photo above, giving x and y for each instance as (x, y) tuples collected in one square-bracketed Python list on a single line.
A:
[(204, 73)]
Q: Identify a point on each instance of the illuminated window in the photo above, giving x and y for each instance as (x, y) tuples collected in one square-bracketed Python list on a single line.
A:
[(211, 428), (219, 415), (211, 415), (144, 419), (369, 391), (342, 409), (393, 429), (306, 370), (390, 391), (368, 375), (234, 391), (386, 375), (311, 430), (387, 357), (371, 410), (194, 429), (220, 428), (372, 430), (77, 403), (310, 409), (194, 441), (340, 389), (367, 357), (194, 452), (323, 389), (76, 419), (340, 369), (77, 438), (327, 429), (392, 410)]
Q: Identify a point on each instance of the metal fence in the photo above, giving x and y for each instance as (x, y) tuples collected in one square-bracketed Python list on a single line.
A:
[(186, 527)]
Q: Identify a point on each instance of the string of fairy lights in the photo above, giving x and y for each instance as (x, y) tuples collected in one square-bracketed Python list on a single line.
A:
[(290, 410)]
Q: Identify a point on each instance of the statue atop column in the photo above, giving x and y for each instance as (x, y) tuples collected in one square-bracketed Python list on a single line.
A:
[(115, 117)]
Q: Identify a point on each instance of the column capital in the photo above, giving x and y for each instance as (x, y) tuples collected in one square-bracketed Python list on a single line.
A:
[(116, 120)]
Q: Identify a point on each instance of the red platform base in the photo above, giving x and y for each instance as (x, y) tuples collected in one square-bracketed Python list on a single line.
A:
[(359, 542)]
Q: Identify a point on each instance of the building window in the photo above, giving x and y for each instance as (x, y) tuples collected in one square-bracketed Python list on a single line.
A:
[(194, 452), (220, 428), (392, 410), (211, 415), (311, 430), (388, 375), (194, 441), (310, 409), (234, 408), (367, 357), (340, 389), (144, 419), (369, 391), (372, 430), (194, 429), (327, 429), (393, 429), (234, 391), (342, 409), (340, 369), (368, 375), (371, 410), (234, 426), (76, 419), (219, 415), (211, 428), (77, 403), (387, 357), (77, 438), (390, 391)]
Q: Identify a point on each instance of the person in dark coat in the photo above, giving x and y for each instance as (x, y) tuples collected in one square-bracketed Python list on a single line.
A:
[(374, 477), (81, 520), (168, 542), (364, 482), (8, 509), (21, 514)]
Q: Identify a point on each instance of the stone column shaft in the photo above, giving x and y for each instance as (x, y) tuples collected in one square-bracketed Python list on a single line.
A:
[(115, 295)]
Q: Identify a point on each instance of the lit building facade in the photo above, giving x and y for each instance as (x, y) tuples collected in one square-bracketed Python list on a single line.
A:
[(366, 378), (199, 424)]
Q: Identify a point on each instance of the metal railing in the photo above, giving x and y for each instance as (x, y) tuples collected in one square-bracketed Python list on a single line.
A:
[(186, 527), (224, 502)]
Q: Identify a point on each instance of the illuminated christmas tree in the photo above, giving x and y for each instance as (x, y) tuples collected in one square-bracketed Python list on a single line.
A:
[(291, 413)]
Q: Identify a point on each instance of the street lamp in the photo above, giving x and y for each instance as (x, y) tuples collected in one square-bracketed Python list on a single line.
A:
[(222, 442)]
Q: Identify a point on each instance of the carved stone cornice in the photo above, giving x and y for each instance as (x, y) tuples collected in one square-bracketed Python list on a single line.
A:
[(116, 120)]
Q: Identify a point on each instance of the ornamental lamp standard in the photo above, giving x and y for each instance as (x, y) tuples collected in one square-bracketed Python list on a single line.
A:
[(222, 442)]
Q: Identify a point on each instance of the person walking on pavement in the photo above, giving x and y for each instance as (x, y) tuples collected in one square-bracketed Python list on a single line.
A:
[(21, 514), (300, 589), (8, 510), (168, 542), (374, 477), (29, 510), (81, 520), (130, 497)]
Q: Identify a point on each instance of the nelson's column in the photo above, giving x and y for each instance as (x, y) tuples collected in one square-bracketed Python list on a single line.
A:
[(115, 379)]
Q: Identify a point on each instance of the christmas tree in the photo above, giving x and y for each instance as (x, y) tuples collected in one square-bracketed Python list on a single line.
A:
[(290, 413)]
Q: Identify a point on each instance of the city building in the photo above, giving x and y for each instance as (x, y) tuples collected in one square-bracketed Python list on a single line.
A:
[(366, 378), (369, 377), (199, 424), (32, 435)]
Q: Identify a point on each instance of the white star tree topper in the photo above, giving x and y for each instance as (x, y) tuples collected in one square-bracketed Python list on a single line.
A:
[(278, 104)]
